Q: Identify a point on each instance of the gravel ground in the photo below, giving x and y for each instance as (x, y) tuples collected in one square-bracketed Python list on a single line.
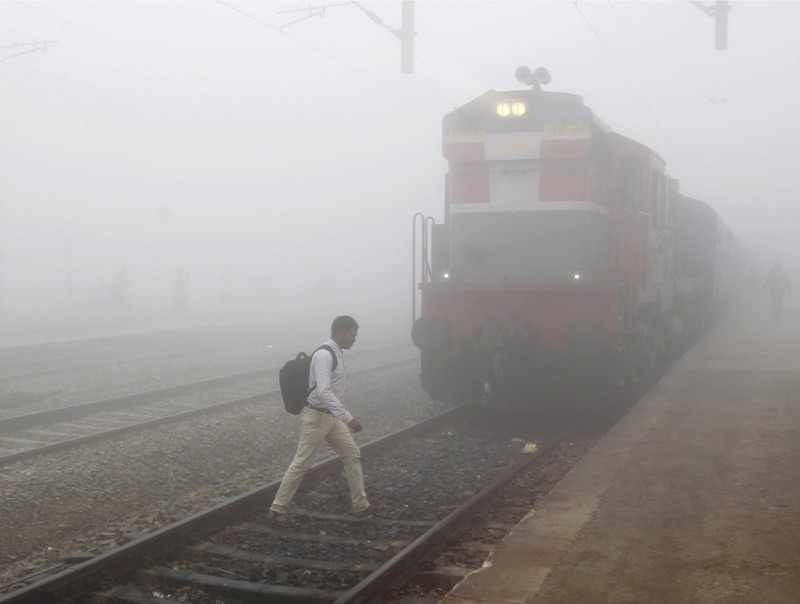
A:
[(101, 495)]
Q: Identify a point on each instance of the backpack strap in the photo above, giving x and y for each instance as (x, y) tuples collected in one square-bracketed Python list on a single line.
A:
[(333, 355), (335, 362)]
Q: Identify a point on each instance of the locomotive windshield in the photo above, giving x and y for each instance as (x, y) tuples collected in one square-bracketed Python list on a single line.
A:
[(546, 246), (527, 190)]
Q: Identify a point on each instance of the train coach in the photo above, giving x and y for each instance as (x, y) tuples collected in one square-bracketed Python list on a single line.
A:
[(567, 254)]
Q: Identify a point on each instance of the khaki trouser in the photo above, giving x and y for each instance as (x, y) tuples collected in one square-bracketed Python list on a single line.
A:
[(316, 426)]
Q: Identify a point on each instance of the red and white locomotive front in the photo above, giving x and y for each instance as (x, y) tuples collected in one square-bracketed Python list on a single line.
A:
[(543, 259)]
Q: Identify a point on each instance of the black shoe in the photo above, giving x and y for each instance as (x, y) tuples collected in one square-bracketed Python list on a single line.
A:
[(278, 517), (370, 510)]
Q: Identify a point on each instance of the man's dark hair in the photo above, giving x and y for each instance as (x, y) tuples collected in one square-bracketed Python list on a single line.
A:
[(343, 323)]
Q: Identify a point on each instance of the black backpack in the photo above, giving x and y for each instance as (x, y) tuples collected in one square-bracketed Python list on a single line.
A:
[(293, 378)]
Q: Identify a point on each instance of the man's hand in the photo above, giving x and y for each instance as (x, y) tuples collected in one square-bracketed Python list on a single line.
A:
[(355, 425)]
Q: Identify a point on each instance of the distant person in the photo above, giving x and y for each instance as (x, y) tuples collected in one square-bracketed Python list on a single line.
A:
[(180, 294), (325, 418), (777, 286), (121, 291)]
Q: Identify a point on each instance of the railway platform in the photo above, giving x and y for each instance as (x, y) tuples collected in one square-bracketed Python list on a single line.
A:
[(691, 498)]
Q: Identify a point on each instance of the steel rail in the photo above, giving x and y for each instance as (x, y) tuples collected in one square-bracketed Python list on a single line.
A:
[(82, 440), (120, 561), (404, 564), (21, 422), (144, 398)]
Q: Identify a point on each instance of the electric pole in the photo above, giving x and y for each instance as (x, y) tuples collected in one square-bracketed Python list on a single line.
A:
[(405, 35), (407, 38), (720, 13)]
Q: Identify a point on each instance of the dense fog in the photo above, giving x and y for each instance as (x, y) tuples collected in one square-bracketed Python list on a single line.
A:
[(241, 160)]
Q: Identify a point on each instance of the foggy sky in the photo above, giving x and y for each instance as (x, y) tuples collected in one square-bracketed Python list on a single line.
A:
[(157, 135)]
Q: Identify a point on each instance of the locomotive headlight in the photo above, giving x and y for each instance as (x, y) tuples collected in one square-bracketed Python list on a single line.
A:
[(517, 109), (445, 275), (576, 276)]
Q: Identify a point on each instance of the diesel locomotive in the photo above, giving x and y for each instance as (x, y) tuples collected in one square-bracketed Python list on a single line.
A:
[(566, 254)]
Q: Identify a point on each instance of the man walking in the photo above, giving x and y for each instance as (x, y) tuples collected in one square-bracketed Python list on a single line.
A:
[(326, 418)]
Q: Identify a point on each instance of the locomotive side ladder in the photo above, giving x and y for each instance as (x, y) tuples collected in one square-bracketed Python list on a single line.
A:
[(421, 227)]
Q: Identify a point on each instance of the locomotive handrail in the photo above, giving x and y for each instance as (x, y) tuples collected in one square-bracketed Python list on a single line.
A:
[(425, 223)]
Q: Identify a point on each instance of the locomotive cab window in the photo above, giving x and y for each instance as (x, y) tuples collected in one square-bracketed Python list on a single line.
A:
[(630, 186)]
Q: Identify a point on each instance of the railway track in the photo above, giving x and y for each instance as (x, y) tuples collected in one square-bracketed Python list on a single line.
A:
[(433, 479), (34, 360), (26, 436)]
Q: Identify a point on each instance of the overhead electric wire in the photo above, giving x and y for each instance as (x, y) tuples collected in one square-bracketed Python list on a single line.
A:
[(702, 79), (632, 45), (625, 77), (66, 25), (303, 42), (88, 86), (92, 35), (85, 85), (322, 52)]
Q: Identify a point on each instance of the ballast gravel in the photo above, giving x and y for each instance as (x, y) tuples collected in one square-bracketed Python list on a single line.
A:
[(99, 496)]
